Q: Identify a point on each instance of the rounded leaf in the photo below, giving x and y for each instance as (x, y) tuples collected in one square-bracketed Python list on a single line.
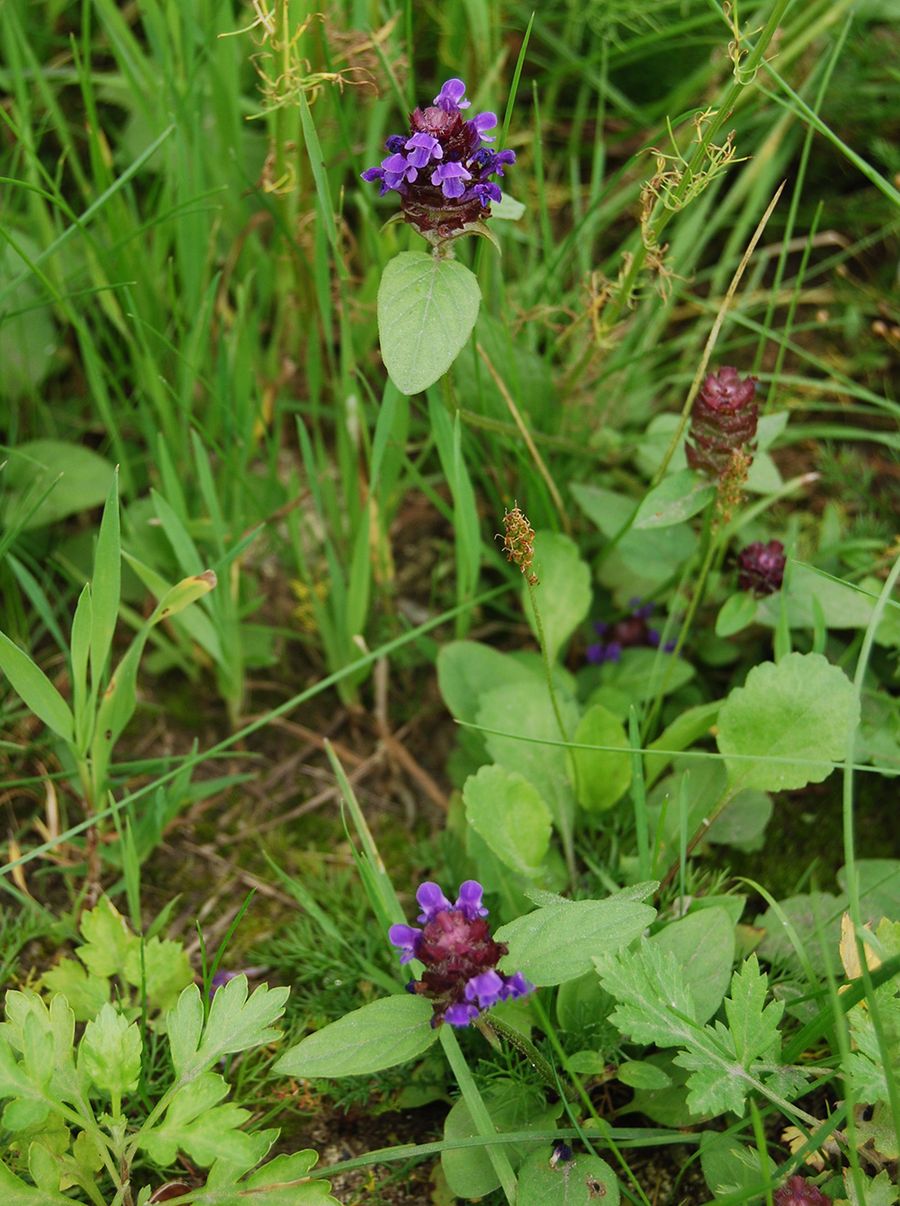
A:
[(801, 711), (601, 776), (564, 590), (508, 814), (426, 311), (582, 1181)]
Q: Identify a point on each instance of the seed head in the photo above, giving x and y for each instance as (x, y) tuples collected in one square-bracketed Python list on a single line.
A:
[(518, 541), (761, 567)]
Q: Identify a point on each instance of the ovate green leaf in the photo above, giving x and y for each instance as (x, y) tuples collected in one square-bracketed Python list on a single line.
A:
[(507, 812), (426, 311)]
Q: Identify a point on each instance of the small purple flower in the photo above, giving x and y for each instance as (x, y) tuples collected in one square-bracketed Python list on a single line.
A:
[(459, 955), (442, 169), (450, 177), (761, 567), (452, 97), (630, 632), (219, 980), (407, 938), (423, 148)]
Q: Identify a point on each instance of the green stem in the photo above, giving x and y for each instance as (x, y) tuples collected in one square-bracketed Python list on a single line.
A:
[(564, 827), (479, 1112), (489, 1024)]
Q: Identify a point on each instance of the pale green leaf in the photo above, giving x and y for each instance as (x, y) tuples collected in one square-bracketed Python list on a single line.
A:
[(196, 1124), (36, 690), (162, 967), (235, 1023), (601, 776), (675, 499), (563, 593), (427, 308), (387, 1032), (110, 1052), (703, 944), (16, 1192), (799, 708), (507, 812), (736, 613), (108, 940), (85, 992), (558, 943)]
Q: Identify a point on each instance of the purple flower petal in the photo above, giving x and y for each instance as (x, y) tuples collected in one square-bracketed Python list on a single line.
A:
[(450, 178), (486, 989), (407, 938), (395, 143), (373, 173), (432, 901), (452, 97), (486, 193), (485, 121), (469, 900), (460, 1015), (516, 986), (423, 148)]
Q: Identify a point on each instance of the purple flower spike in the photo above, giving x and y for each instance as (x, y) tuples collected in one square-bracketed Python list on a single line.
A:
[(452, 97), (485, 989), (407, 938), (459, 956), (432, 901), (443, 167), (450, 177), (423, 148), (469, 900)]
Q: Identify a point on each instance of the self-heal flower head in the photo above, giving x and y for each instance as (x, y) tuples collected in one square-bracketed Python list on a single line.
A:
[(443, 168), (723, 422), (761, 567), (628, 633), (459, 955)]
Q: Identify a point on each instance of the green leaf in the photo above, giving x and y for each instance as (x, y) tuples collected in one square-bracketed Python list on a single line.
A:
[(507, 208), (641, 673), (527, 711), (380, 1035), (110, 1053), (507, 812), (283, 1181), (641, 1074), (730, 1167), (80, 649), (106, 584), (194, 1123), (86, 993), (27, 333), (16, 1192), (36, 690), (426, 311), (235, 1023), (73, 478), (513, 1106), (165, 970), (684, 730), (802, 707), (703, 945), (467, 668), (675, 499), (563, 595), (736, 613), (601, 777), (558, 943), (108, 940), (584, 1181)]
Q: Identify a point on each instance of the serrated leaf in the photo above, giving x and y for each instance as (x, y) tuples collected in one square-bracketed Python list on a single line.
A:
[(753, 1024), (654, 1003), (391, 1031), (16, 1192), (108, 940), (85, 993), (675, 499), (196, 1124), (801, 707), (36, 690), (162, 967), (507, 812), (426, 311), (235, 1023), (558, 943), (110, 1053), (283, 1181)]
